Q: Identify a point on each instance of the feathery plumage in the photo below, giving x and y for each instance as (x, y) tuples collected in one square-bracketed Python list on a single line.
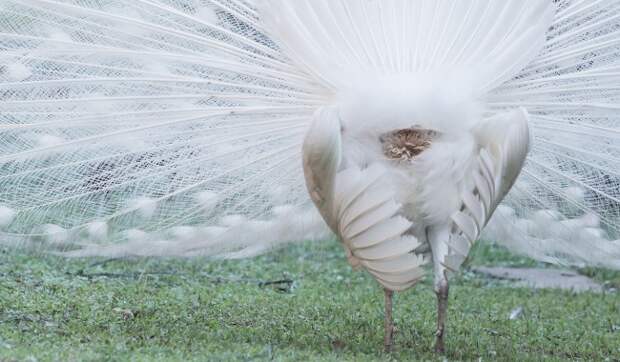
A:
[(179, 127)]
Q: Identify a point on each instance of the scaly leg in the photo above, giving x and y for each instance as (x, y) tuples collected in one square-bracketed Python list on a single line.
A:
[(442, 311), (436, 237), (389, 322)]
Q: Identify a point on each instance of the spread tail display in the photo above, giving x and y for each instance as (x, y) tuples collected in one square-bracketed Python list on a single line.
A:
[(227, 128)]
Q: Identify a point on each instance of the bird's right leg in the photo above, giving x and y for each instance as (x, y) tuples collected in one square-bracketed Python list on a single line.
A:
[(388, 341), (440, 251), (441, 289)]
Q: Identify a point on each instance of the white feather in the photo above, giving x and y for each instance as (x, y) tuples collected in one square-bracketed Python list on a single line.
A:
[(97, 231), (15, 72), (6, 215), (144, 206)]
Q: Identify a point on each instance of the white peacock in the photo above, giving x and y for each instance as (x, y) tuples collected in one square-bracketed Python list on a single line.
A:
[(178, 128)]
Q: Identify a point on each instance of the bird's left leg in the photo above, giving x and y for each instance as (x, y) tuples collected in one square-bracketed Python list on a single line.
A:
[(388, 341)]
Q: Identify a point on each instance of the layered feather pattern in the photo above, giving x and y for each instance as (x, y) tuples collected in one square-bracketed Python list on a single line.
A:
[(372, 229)]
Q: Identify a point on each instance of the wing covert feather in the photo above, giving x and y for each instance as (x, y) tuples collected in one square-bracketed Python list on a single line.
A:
[(504, 144)]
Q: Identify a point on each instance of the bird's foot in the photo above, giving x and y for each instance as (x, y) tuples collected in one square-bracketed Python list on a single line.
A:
[(440, 347), (388, 342)]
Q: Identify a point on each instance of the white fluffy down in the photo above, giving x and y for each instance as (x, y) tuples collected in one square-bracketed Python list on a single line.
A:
[(236, 237), (440, 101), (6, 215), (144, 206), (15, 72), (55, 234), (546, 236), (97, 230), (207, 200)]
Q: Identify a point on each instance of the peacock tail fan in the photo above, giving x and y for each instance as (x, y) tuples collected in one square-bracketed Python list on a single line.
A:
[(175, 127)]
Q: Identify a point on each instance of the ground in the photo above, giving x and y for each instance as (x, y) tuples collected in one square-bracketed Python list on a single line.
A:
[(301, 303)]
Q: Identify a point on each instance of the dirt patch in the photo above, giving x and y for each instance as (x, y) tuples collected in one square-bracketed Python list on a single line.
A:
[(543, 278)]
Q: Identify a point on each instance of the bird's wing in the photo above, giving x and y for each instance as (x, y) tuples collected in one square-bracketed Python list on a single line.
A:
[(373, 230), (506, 137), (504, 144), (321, 154), (359, 207)]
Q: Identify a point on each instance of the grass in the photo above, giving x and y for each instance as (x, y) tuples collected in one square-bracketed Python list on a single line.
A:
[(170, 310)]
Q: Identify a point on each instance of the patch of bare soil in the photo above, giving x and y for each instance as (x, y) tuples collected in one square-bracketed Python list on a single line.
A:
[(543, 278)]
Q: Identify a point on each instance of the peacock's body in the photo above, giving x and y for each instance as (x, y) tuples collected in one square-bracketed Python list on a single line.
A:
[(198, 127)]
